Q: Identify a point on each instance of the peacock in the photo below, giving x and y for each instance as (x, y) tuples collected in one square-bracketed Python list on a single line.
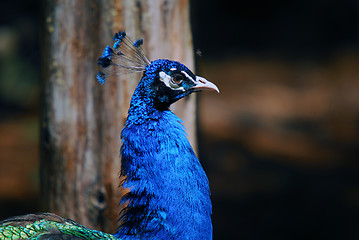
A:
[(169, 195)]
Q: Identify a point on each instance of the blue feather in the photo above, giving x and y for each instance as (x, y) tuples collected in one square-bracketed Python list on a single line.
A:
[(105, 60), (169, 193), (138, 42), (101, 78)]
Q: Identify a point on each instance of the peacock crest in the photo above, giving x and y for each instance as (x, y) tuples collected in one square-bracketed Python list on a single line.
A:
[(124, 54)]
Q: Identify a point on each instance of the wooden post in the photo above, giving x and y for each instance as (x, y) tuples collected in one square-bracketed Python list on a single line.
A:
[(81, 120)]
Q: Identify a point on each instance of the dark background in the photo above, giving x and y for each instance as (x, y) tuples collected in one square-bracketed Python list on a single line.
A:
[(280, 143)]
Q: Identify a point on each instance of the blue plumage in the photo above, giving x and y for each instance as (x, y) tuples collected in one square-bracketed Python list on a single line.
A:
[(169, 189), (169, 196)]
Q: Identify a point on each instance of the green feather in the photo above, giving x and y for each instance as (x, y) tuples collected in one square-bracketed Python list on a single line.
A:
[(45, 229)]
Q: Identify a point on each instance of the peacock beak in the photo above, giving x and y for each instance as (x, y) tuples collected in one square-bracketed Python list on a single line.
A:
[(204, 84)]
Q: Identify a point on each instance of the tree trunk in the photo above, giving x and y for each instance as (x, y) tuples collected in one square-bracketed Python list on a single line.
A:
[(81, 120)]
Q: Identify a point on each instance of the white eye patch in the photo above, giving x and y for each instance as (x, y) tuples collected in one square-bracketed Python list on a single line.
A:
[(166, 79), (188, 76)]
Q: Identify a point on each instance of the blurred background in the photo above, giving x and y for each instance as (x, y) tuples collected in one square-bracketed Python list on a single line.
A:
[(280, 143)]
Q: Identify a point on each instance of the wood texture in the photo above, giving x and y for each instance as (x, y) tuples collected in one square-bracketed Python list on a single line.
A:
[(82, 121)]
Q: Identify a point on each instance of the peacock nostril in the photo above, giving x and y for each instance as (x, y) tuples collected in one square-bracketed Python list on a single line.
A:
[(201, 81)]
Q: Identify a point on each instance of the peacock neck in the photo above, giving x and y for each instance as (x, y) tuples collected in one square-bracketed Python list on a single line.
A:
[(169, 194)]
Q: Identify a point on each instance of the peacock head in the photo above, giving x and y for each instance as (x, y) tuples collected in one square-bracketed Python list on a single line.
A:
[(170, 81), (164, 81)]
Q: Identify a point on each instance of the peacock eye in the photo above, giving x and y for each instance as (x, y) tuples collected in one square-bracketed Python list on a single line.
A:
[(177, 78)]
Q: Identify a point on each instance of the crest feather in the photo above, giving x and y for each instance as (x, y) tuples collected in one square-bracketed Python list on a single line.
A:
[(125, 54)]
